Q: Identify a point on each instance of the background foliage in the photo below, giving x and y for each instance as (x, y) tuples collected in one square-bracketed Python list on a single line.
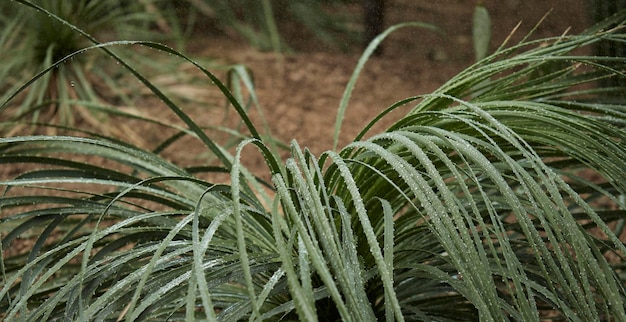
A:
[(31, 42), (600, 11), (264, 23)]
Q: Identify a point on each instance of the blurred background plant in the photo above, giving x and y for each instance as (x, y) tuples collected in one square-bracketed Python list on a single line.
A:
[(31, 42), (264, 23), (603, 9), (86, 85)]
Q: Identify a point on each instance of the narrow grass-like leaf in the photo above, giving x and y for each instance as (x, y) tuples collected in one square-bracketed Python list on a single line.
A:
[(343, 105), (386, 275), (481, 31), (241, 242), (304, 303)]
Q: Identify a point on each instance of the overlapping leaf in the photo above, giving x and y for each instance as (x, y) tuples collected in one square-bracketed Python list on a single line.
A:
[(500, 196)]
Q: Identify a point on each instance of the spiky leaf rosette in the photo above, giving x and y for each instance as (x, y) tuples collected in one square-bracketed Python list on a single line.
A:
[(498, 197)]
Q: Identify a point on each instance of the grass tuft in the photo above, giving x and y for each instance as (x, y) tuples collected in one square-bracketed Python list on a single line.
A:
[(499, 196)]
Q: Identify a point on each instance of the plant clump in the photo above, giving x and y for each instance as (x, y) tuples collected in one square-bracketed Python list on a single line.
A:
[(499, 196)]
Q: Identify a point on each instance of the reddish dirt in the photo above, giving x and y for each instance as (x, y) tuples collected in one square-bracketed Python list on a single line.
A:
[(300, 92)]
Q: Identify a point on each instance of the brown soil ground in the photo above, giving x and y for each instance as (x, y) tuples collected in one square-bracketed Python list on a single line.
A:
[(300, 91)]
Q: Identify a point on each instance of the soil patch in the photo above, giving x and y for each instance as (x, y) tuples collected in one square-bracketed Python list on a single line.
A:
[(300, 92)]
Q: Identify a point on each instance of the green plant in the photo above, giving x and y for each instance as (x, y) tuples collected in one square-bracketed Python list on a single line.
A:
[(31, 42), (471, 207)]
